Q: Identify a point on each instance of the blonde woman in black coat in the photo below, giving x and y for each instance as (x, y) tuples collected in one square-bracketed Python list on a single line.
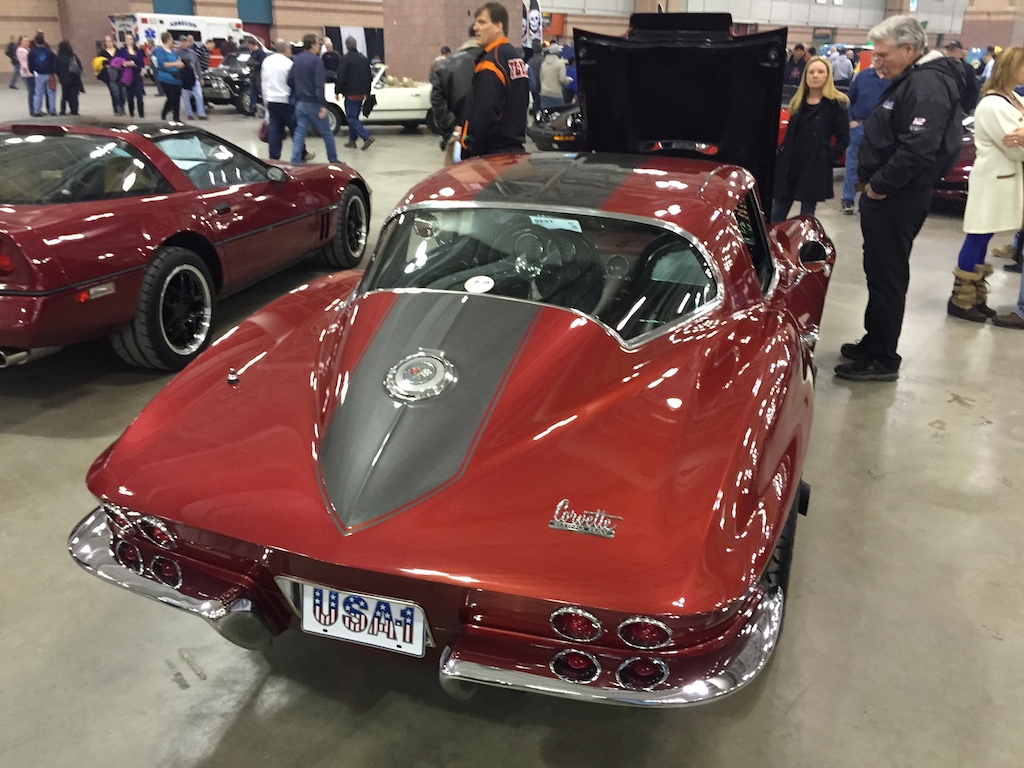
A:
[(817, 135)]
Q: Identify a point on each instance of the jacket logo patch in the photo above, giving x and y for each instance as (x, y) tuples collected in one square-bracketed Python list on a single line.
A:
[(517, 69), (888, 104), (917, 125), (596, 523)]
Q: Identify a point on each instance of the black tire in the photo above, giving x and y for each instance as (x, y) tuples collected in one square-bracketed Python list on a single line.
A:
[(174, 319), (335, 118), (776, 575), (346, 248), (241, 101)]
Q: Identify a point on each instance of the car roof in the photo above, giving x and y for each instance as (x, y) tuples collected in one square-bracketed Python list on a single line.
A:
[(100, 126), (686, 193)]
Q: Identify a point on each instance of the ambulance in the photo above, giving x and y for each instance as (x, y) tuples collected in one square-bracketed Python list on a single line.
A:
[(148, 27)]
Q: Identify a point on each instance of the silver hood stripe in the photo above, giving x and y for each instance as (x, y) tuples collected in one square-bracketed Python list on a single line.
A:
[(380, 456)]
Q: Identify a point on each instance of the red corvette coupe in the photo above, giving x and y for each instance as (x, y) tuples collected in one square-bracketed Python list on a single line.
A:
[(133, 233), (551, 440)]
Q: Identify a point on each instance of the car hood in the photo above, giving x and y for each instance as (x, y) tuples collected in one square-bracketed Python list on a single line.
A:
[(681, 84), (537, 471)]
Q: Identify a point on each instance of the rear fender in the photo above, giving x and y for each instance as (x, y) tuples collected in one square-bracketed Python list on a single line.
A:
[(807, 255)]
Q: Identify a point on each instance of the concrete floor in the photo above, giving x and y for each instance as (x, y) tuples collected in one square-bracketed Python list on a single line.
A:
[(902, 644)]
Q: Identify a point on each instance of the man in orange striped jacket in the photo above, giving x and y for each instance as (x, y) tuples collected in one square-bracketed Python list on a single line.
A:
[(499, 97)]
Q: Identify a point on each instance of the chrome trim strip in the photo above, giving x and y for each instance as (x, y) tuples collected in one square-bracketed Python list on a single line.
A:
[(760, 637), (73, 286), (636, 341), (283, 222)]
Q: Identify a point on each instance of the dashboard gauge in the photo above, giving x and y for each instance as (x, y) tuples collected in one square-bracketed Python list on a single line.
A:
[(617, 267), (528, 251)]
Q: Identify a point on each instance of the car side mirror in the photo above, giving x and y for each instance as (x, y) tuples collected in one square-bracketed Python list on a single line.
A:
[(276, 174), (811, 252)]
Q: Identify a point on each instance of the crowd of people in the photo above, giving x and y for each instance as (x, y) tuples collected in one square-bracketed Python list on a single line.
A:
[(898, 121)]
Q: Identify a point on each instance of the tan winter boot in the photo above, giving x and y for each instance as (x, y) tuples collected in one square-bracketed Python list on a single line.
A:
[(981, 303), (965, 296)]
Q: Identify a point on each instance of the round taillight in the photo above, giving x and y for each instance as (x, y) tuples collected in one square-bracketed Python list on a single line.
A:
[(129, 556), (167, 571), (6, 263), (117, 517), (640, 632), (575, 666), (576, 624), (157, 532), (642, 674)]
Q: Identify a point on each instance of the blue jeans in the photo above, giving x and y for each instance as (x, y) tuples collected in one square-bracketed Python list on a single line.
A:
[(306, 115), (849, 193), (30, 86), (280, 116), (355, 125), (781, 206), (15, 75), (186, 99), (42, 87), (116, 97)]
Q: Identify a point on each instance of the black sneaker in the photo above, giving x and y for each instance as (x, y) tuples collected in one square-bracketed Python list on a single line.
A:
[(866, 370), (367, 143), (847, 208), (854, 351)]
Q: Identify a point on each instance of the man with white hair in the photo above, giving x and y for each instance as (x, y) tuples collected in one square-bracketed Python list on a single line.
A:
[(911, 140)]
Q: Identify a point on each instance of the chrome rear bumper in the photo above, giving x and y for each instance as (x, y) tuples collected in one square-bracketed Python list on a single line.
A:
[(235, 617)]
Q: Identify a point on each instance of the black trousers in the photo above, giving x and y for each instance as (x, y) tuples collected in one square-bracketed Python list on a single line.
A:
[(173, 103), (889, 227), (69, 97)]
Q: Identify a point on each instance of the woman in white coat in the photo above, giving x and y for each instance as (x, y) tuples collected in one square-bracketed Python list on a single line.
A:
[(995, 188)]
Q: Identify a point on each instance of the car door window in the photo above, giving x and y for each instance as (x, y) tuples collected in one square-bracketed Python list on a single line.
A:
[(210, 163), (751, 225)]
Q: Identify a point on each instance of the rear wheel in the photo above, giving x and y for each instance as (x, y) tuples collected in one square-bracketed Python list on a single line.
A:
[(242, 100), (349, 242), (776, 575), (174, 318)]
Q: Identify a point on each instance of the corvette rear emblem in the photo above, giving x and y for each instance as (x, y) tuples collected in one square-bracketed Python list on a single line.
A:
[(417, 377), (596, 523)]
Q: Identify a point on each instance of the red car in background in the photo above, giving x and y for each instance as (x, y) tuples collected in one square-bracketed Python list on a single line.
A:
[(134, 233)]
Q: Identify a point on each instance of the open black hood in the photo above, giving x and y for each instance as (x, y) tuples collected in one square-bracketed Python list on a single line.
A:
[(680, 84)]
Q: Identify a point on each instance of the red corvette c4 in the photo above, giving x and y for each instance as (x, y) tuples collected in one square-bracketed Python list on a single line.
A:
[(134, 232), (552, 439)]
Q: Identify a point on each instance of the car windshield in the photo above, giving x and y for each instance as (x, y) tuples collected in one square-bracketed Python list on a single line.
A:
[(236, 60), (41, 169), (208, 162), (632, 276)]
